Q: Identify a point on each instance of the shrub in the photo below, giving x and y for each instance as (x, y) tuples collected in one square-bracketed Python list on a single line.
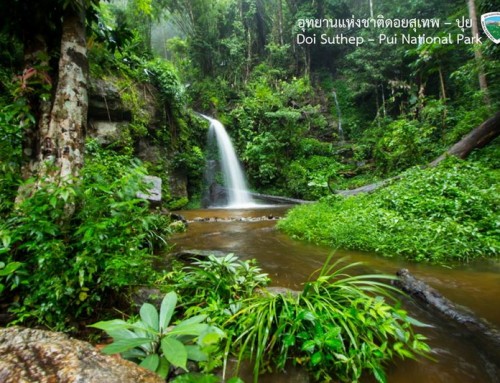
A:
[(74, 265)]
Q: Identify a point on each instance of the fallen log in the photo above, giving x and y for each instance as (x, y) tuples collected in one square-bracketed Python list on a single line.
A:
[(279, 199), (482, 333), (476, 139)]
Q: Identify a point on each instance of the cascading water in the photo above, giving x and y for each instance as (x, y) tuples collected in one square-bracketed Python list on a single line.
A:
[(341, 131), (238, 195)]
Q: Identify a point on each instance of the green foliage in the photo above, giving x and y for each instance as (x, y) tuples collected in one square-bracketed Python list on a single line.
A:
[(74, 266), (308, 178), (338, 327), (10, 273), (404, 143), (438, 214), (15, 119), (224, 279), (155, 343)]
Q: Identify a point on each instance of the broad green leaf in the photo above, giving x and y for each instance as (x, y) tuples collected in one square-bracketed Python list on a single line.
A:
[(196, 354), (209, 338), (134, 354), (167, 310), (163, 368), (193, 320), (124, 345), (191, 329), (151, 362), (10, 268), (149, 315), (174, 351), (316, 358), (123, 334), (111, 325)]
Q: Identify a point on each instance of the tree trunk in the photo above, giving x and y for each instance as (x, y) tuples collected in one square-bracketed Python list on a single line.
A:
[(280, 22), (62, 139), (441, 82), (477, 53), (478, 138)]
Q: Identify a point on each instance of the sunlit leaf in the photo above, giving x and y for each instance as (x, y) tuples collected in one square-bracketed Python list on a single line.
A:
[(175, 352)]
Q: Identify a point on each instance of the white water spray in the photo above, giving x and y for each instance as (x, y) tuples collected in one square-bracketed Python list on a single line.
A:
[(237, 190)]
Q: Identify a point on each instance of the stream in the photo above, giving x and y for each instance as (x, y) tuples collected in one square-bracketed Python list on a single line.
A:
[(289, 263)]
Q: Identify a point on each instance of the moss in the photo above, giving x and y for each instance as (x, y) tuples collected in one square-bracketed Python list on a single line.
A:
[(177, 204)]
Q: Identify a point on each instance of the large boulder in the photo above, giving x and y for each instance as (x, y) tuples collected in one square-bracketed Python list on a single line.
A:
[(31, 355)]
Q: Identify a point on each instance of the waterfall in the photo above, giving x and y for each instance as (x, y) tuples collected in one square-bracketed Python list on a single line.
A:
[(237, 190), (341, 131)]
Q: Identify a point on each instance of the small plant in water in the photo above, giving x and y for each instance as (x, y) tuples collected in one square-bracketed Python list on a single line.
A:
[(338, 327), (156, 344)]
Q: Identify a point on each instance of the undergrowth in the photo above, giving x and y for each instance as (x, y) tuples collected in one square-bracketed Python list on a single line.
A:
[(437, 214)]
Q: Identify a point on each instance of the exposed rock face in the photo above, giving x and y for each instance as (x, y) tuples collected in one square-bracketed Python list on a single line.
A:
[(177, 182), (107, 132), (148, 152), (153, 195), (105, 102), (30, 355)]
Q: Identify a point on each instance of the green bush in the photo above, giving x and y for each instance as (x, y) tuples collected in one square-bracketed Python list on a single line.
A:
[(438, 214), (75, 264)]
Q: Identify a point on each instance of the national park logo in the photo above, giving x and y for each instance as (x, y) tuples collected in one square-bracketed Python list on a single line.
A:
[(491, 26)]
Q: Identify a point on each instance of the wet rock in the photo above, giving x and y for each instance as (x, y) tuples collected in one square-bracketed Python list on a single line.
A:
[(178, 217), (177, 182), (31, 355), (193, 253), (147, 151), (236, 219)]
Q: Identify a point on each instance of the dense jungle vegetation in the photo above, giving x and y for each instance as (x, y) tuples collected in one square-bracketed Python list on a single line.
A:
[(306, 120)]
